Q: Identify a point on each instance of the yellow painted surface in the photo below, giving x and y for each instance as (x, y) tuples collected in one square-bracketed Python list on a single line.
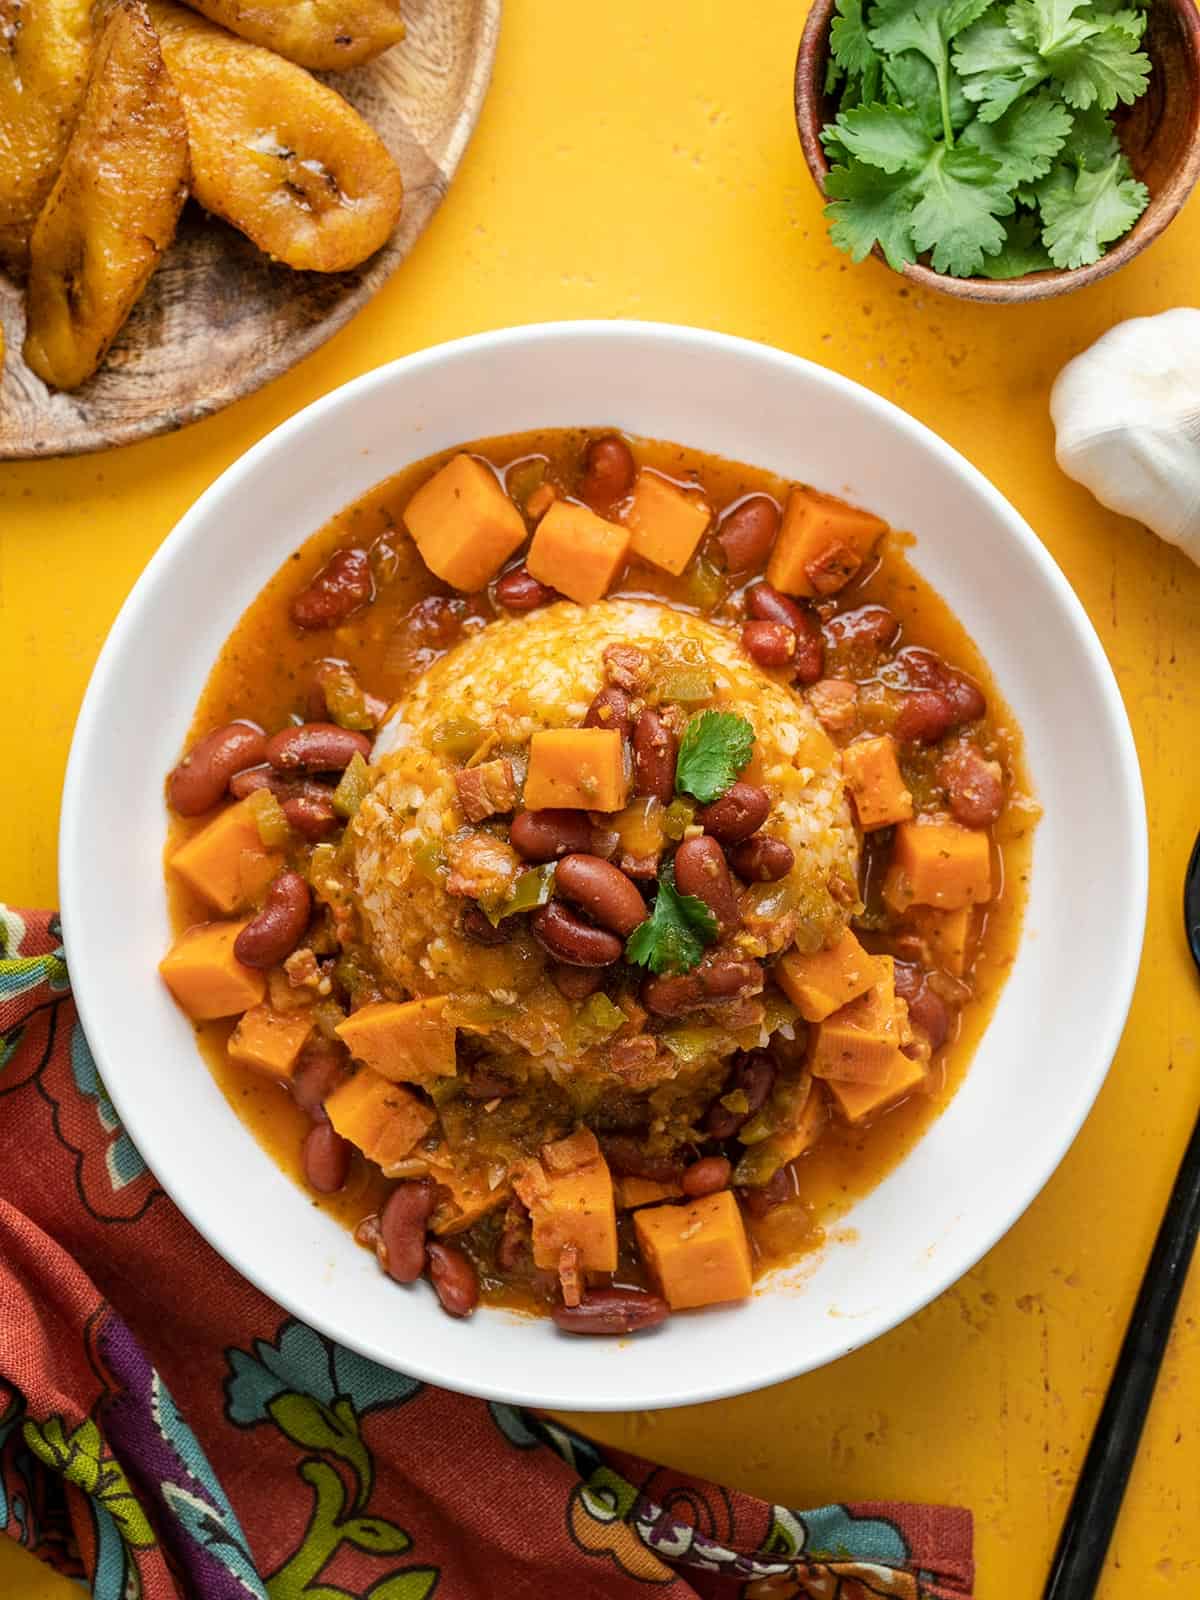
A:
[(642, 161)]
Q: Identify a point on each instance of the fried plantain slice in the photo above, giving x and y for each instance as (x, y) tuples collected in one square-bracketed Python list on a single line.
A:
[(45, 46), (276, 153), (323, 34), (114, 205)]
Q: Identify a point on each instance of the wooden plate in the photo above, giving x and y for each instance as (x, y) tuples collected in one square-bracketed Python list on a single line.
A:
[(218, 320)]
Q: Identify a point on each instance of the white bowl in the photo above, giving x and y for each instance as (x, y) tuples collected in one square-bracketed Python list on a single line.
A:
[(1059, 1019)]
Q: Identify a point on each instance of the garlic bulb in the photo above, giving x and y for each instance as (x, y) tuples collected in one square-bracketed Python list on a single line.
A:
[(1127, 417)]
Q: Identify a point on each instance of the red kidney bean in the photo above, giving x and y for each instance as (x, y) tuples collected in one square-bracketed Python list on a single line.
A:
[(550, 834), (777, 1191), (266, 777), (769, 644), (318, 1072), (201, 778), (747, 533), (478, 929), (766, 604), (326, 1158), (568, 938), (706, 1176), (316, 747), (810, 653), (974, 785), (307, 804), (754, 1075), (924, 717), (453, 1276), (762, 859), (612, 1311), (402, 1229), (629, 1158), (575, 983), (343, 584), (873, 626), (922, 669), (719, 977), (435, 622), (603, 891), (519, 590), (655, 749), (701, 869), (610, 709), (274, 933), (740, 811), (312, 819), (926, 1008), (608, 472)]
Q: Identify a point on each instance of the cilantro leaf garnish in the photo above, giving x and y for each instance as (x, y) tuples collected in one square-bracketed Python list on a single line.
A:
[(715, 747), (956, 216), (1098, 207), (1021, 252), (888, 137), (870, 208), (852, 50), (674, 935), (979, 131), (1024, 141)]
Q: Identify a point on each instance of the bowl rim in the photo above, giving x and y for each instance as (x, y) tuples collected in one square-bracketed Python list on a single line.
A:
[(1164, 206), (75, 842)]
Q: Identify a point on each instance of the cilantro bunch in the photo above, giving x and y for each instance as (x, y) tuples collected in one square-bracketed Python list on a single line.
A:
[(981, 132)]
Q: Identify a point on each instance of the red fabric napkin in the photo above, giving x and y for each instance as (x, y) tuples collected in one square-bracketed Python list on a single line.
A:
[(166, 1431)]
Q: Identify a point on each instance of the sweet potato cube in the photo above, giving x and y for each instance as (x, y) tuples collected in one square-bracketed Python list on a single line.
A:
[(938, 863), (820, 984), (877, 1007), (385, 1120), (576, 1207), (577, 552), (406, 1042), (698, 1253), (226, 861), (464, 524), (578, 1149), (842, 1053), (859, 1100), (859, 1043), (665, 522), (872, 772), (950, 935), (634, 1192), (470, 1198), (581, 769), (270, 1041), (822, 542), (205, 976)]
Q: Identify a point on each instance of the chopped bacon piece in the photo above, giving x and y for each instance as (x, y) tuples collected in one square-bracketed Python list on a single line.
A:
[(487, 789)]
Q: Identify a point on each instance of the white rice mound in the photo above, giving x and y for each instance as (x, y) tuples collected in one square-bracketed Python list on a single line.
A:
[(514, 677)]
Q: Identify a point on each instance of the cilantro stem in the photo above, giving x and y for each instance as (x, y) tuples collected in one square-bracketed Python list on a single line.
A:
[(943, 77)]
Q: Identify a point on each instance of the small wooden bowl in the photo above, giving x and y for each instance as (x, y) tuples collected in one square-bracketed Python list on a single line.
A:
[(1160, 133)]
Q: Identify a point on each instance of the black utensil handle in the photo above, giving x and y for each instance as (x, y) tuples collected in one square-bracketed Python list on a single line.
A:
[(1085, 1537)]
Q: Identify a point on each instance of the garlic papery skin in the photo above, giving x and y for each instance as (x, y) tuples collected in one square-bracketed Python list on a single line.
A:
[(1127, 418)]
